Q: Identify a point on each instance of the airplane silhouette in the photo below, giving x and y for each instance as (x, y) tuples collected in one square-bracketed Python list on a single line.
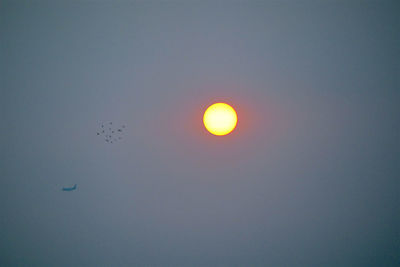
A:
[(69, 188)]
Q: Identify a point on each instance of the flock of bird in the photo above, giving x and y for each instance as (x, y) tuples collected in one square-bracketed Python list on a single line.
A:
[(109, 133)]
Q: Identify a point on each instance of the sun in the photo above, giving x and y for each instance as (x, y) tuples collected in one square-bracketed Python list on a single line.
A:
[(220, 119)]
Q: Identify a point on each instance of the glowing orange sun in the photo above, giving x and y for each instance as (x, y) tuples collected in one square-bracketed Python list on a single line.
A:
[(220, 119)]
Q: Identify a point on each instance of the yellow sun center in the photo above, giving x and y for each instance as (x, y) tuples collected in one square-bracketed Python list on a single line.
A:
[(220, 119)]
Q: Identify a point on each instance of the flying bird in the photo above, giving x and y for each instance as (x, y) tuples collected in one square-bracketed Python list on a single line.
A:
[(69, 188), (110, 135)]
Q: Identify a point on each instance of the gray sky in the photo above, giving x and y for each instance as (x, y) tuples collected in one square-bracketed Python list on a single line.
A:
[(310, 176)]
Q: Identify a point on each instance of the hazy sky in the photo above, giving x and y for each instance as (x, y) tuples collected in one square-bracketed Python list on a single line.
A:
[(310, 176)]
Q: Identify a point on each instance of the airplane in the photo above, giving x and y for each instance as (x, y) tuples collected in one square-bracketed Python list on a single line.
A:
[(69, 188)]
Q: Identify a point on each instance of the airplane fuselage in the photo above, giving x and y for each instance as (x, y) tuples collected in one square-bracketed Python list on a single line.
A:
[(69, 188)]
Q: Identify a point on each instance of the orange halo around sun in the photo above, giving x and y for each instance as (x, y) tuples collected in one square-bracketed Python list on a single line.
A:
[(220, 119)]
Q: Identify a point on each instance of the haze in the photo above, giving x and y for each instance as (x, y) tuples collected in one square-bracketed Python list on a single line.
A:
[(310, 176)]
